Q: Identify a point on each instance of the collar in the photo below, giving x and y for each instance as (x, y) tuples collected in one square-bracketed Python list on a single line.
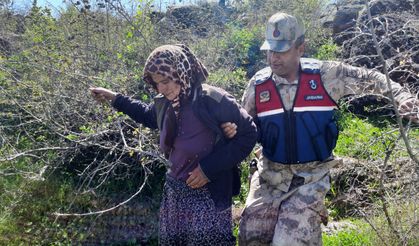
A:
[(281, 81)]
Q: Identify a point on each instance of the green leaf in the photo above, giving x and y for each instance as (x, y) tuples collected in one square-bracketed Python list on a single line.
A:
[(72, 137)]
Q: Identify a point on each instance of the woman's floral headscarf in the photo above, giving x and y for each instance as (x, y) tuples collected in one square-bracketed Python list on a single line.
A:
[(179, 64)]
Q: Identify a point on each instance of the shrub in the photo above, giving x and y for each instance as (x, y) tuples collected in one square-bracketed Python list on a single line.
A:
[(327, 51), (359, 236)]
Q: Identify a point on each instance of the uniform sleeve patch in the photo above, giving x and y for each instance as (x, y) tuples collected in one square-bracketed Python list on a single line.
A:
[(264, 96)]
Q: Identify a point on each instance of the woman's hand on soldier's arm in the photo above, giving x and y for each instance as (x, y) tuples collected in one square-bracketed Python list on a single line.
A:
[(103, 95), (229, 129)]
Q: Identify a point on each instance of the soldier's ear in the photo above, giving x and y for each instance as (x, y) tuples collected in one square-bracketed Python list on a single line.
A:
[(301, 48)]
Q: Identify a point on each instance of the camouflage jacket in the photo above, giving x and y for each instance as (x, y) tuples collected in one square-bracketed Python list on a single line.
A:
[(339, 80)]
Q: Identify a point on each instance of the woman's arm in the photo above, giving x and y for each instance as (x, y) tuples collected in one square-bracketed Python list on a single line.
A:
[(230, 152), (137, 110)]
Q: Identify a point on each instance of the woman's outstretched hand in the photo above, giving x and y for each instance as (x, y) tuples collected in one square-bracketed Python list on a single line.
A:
[(103, 95)]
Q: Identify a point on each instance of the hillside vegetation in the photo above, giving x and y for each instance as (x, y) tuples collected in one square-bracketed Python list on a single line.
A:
[(76, 172)]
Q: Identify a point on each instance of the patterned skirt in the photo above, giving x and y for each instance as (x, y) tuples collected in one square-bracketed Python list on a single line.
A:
[(189, 217)]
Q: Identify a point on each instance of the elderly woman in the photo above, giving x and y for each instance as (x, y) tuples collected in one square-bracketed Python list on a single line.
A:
[(203, 174)]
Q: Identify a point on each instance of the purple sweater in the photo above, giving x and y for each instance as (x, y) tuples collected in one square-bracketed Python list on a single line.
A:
[(193, 142)]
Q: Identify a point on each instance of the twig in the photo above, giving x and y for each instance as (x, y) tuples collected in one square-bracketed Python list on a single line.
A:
[(398, 117), (105, 210), (365, 217), (29, 153), (383, 190)]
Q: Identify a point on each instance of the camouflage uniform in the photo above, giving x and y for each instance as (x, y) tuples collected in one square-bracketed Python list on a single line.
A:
[(285, 205)]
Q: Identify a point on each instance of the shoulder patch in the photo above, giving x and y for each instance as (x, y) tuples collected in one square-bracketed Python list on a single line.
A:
[(310, 65), (215, 93), (262, 75)]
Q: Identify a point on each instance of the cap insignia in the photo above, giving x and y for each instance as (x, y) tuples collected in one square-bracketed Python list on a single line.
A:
[(276, 32)]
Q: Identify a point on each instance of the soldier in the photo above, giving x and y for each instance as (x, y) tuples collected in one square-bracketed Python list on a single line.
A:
[(293, 102)]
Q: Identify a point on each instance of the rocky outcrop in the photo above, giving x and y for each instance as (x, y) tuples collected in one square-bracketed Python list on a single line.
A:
[(192, 19), (5, 47), (10, 33), (396, 26), (344, 14)]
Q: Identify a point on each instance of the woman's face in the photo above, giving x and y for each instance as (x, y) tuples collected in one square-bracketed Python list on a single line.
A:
[(169, 88)]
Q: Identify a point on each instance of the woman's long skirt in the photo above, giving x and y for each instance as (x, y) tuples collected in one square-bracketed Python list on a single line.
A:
[(189, 217)]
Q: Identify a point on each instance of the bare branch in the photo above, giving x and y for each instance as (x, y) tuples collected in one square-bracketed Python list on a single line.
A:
[(395, 107), (29, 153), (105, 210)]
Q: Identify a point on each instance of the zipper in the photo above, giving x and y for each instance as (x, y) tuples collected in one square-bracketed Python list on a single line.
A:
[(290, 126)]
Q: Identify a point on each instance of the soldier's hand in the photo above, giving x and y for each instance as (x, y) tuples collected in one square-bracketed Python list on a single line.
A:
[(409, 109)]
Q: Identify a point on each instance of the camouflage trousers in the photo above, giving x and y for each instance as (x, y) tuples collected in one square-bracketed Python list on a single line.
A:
[(273, 216)]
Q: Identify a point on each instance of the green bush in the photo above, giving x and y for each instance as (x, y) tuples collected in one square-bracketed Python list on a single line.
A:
[(377, 229), (402, 213), (232, 81), (28, 217), (361, 139), (242, 44), (236, 47), (362, 235), (327, 51)]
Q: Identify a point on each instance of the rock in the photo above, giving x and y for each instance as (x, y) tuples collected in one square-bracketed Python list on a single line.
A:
[(336, 226), (193, 19), (396, 28), (5, 47), (386, 6), (344, 15)]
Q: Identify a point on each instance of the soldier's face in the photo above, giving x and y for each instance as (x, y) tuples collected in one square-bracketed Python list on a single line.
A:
[(286, 64)]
